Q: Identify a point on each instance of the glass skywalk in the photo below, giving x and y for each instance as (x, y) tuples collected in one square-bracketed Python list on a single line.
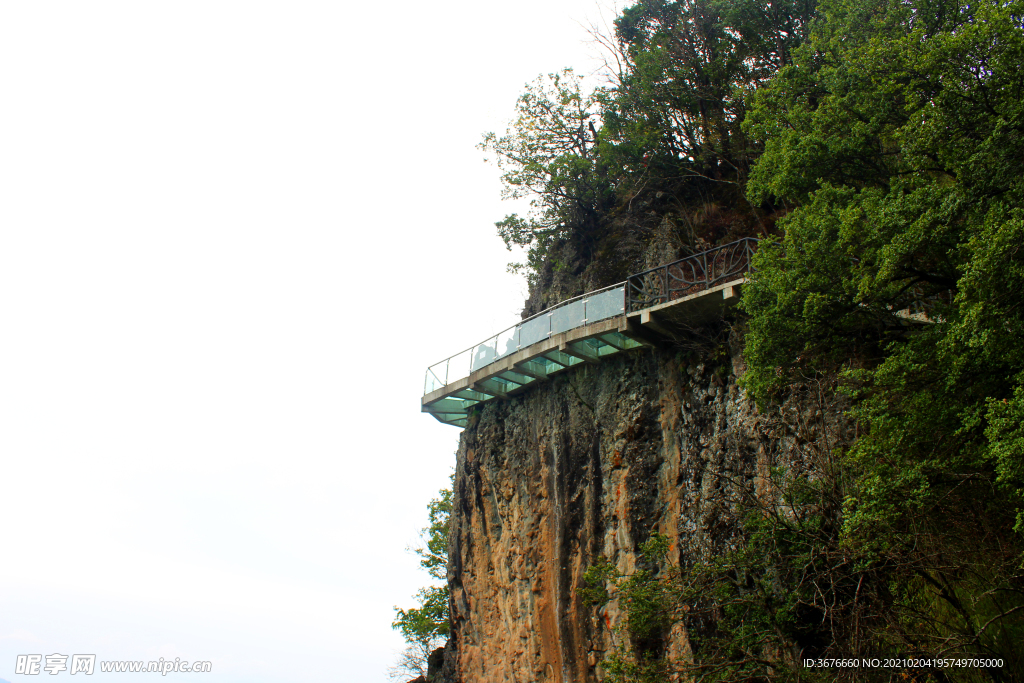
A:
[(524, 367), (584, 329)]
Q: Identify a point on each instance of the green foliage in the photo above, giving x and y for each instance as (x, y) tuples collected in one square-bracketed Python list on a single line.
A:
[(795, 589), (898, 132), (429, 621), (434, 551), (548, 155), (897, 136), (686, 70), (646, 597), (427, 625)]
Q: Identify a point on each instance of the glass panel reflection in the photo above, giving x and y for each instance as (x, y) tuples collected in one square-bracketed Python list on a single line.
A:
[(563, 359), (606, 304), (568, 317), (508, 342), (533, 331), (484, 354)]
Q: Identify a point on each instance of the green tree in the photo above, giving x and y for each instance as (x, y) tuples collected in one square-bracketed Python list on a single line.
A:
[(548, 155), (426, 626), (897, 136), (686, 68)]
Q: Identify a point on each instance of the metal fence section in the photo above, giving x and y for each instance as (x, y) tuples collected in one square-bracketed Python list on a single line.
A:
[(689, 275), (577, 312)]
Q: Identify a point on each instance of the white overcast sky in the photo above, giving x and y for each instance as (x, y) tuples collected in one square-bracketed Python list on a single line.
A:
[(232, 237)]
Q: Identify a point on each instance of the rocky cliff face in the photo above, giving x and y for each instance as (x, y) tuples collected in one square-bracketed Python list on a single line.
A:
[(586, 465)]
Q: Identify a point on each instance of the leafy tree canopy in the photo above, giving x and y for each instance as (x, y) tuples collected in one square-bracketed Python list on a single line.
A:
[(899, 135)]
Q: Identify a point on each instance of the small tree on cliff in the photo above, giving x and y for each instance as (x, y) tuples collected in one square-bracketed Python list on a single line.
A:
[(549, 155), (425, 627)]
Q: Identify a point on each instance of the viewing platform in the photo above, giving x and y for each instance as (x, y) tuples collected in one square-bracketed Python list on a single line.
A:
[(644, 309)]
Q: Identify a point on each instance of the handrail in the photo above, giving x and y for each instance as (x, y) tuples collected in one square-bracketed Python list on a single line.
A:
[(487, 351), (689, 275), (547, 311)]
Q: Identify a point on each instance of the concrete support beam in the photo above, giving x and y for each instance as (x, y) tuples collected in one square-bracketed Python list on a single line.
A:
[(576, 352), (651, 322), (634, 331), (611, 342), (557, 361), (631, 328), (488, 390), (513, 375), (529, 372)]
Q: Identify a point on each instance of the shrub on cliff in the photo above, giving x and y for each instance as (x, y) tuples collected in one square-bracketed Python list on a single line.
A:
[(426, 626)]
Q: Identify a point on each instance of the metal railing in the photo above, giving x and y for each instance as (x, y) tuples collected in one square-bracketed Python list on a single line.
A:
[(689, 275), (568, 315)]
